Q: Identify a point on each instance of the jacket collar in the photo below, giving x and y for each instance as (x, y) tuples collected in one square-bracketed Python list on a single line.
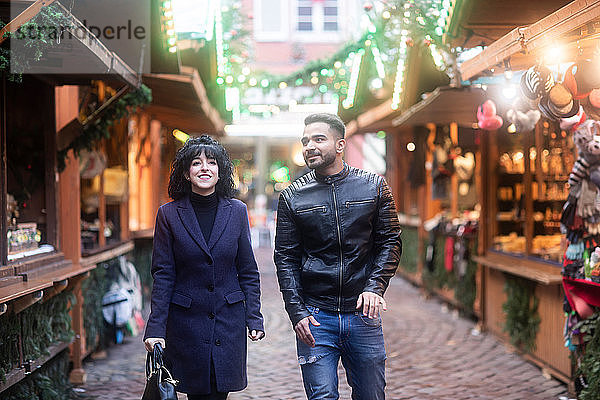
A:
[(190, 222), (333, 178)]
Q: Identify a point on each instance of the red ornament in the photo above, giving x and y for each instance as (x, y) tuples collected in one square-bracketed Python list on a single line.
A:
[(409, 42), (368, 6), (427, 42), (233, 32)]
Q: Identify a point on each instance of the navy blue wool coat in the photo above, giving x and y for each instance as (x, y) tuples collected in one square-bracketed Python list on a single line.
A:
[(205, 295)]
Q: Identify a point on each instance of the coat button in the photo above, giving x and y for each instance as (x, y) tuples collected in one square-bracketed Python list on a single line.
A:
[(211, 315), (210, 262), (211, 288), (218, 342)]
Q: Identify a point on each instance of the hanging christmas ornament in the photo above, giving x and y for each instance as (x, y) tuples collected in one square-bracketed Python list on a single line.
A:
[(368, 6), (487, 118)]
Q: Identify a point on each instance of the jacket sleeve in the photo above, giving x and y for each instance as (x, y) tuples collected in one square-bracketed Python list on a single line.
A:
[(248, 276), (387, 242), (288, 260), (163, 274)]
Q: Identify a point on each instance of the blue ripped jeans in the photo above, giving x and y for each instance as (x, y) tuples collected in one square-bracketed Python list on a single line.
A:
[(354, 338)]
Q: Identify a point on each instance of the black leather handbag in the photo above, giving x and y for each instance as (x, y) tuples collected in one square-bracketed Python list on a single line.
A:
[(160, 385)]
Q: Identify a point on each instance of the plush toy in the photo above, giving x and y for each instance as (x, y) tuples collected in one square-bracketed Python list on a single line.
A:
[(487, 118), (523, 121), (587, 140), (572, 123)]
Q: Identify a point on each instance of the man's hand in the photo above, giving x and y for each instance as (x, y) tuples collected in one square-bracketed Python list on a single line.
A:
[(151, 341), (370, 303), (255, 335), (302, 329)]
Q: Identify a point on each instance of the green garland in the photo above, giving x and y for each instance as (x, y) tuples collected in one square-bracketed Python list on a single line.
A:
[(46, 323), (521, 309), (100, 128), (589, 357), (38, 327), (93, 289), (10, 330), (410, 245), (33, 48), (466, 287), (142, 259), (439, 278), (50, 382)]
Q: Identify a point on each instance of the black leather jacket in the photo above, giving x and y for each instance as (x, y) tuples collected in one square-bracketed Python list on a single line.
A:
[(337, 236)]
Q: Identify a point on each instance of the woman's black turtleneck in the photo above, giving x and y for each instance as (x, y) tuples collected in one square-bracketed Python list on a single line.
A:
[(205, 208)]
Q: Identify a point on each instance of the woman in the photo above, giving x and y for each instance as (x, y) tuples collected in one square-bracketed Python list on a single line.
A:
[(206, 288)]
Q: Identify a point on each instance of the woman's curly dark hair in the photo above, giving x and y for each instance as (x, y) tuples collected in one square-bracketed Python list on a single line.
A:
[(179, 186)]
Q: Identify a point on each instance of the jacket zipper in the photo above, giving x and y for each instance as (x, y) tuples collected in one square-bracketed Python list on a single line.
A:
[(337, 222), (349, 203), (312, 209)]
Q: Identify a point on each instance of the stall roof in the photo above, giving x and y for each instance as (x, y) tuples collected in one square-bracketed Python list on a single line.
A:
[(65, 63), (480, 22), (376, 119), (180, 101), (525, 46), (443, 106)]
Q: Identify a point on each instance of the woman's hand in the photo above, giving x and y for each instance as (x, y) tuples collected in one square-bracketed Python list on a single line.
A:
[(151, 341), (255, 335)]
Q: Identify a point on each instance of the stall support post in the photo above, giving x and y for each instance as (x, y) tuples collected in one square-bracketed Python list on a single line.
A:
[(527, 183), (432, 206), (101, 212), (3, 170), (69, 215), (454, 177), (480, 170), (155, 139), (78, 375), (144, 184)]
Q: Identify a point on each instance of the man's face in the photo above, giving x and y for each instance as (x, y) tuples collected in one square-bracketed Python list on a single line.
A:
[(319, 145)]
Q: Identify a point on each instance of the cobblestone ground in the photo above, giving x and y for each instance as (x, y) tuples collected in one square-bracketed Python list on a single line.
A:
[(432, 354)]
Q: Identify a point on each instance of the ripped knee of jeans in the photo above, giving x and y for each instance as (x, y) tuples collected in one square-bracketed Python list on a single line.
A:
[(308, 359)]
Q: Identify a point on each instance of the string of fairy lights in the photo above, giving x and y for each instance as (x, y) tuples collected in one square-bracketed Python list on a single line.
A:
[(168, 25), (395, 26)]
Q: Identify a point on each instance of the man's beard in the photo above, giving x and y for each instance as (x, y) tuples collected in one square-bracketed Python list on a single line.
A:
[(324, 160)]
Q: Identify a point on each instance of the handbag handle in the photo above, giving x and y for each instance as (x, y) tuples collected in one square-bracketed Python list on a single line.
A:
[(154, 361)]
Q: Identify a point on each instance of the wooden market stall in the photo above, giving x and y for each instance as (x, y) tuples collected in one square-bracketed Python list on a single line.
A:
[(525, 180), (429, 116), (41, 264)]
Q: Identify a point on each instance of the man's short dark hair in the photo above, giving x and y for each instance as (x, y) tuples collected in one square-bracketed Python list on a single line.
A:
[(332, 120)]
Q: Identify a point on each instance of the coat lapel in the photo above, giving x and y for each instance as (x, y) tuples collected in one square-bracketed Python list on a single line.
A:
[(190, 222), (221, 221)]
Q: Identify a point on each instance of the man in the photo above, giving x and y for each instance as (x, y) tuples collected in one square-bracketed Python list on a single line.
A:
[(336, 247)]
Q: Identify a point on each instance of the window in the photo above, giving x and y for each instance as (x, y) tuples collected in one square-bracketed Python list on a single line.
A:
[(317, 16), (271, 22), (330, 16), (305, 15)]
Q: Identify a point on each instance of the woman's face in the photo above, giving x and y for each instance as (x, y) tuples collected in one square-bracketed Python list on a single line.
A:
[(203, 175)]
